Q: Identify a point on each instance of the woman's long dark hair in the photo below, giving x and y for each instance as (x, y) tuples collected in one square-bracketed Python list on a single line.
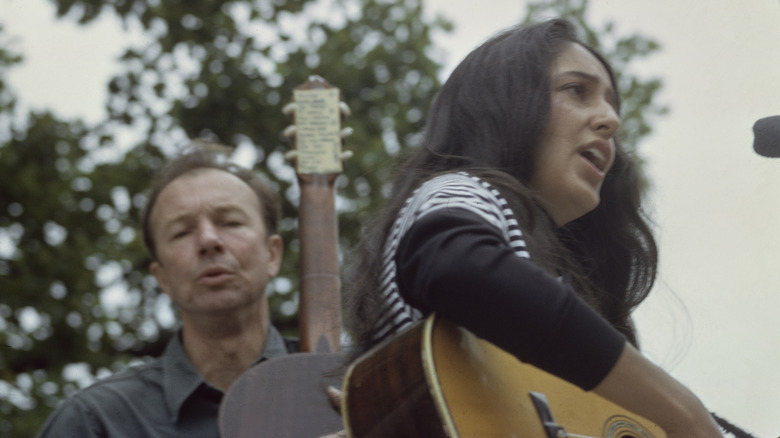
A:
[(488, 119)]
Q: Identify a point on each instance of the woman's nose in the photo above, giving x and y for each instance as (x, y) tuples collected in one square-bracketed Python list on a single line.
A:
[(606, 120)]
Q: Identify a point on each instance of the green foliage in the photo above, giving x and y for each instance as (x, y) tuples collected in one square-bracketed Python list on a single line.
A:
[(73, 243), (77, 300), (7, 60)]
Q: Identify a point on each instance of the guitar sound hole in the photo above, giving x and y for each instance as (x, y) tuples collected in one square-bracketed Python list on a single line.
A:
[(624, 427)]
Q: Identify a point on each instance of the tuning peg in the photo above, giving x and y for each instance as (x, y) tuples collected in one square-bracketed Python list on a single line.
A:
[(346, 132), (345, 111), (290, 131), (290, 108), (346, 155), (291, 155)]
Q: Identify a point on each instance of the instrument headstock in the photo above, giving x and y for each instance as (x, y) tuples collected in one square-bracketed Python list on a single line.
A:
[(316, 133)]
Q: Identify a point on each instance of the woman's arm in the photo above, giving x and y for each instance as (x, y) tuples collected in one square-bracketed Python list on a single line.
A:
[(454, 263), (640, 386)]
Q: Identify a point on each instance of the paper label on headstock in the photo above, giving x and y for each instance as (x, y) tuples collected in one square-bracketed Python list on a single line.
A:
[(318, 126)]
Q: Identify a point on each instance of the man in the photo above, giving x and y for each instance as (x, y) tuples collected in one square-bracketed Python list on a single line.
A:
[(210, 229)]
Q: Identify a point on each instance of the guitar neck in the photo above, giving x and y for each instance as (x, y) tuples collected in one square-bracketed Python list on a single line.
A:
[(318, 162), (320, 283)]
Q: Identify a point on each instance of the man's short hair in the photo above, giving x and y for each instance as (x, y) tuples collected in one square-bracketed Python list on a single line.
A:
[(207, 155)]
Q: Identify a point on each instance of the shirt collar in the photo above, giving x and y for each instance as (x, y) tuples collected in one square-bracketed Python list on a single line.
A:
[(181, 379)]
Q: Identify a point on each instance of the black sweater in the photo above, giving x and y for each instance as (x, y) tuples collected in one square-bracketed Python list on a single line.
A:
[(456, 264)]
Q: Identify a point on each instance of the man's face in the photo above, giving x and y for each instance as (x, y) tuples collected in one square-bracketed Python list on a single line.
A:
[(213, 254)]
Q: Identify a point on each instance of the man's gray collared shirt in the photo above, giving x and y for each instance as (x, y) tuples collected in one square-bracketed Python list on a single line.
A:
[(165, 397)]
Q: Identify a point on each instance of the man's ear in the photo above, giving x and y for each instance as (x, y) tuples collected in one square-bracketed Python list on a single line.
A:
[(275, 252), (159, 274)]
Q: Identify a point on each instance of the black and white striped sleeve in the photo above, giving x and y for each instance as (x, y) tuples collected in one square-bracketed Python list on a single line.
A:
[(454, 262)]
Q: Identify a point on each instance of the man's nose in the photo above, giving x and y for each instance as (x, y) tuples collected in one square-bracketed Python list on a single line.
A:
[(209, 239)]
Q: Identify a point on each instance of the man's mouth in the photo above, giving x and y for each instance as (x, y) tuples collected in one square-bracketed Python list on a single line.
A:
[(213, 273)]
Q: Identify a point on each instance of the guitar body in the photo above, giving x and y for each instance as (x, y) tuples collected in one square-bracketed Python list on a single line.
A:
[(285, 398), (438, 380)]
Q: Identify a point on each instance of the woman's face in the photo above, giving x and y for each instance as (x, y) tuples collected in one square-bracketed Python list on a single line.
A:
[(577, 148)]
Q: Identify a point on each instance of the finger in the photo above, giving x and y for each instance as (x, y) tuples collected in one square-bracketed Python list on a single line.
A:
[(335, 396)]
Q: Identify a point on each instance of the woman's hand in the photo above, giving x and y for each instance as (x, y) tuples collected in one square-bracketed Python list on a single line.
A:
[(334, 395)]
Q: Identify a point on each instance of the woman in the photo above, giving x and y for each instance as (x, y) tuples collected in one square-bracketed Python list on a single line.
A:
[(520, 219)]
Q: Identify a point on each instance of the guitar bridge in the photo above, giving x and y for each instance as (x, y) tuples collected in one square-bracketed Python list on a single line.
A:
[(551, 428)]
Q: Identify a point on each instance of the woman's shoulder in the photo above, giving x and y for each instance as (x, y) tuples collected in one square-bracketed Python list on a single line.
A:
[(457, 191), (453, 178), (456, 185)]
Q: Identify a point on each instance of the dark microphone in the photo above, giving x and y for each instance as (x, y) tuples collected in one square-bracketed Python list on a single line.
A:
[(767, 137)]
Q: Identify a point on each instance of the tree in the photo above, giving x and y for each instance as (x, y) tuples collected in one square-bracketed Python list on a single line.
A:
[(78, 302)]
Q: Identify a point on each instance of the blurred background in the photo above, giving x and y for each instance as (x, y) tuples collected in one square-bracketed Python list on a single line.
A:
[(94, 94)]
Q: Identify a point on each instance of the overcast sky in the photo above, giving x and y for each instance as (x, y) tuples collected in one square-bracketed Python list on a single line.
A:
[(713, 319)]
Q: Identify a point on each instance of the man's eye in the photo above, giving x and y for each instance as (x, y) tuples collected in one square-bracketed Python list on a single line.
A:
[(179, 234)]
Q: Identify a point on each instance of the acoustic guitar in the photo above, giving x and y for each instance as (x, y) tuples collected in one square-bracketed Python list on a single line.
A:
[(439, 380), (285, 396)]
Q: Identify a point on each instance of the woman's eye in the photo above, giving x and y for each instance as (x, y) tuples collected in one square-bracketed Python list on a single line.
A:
[(576, 89)]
